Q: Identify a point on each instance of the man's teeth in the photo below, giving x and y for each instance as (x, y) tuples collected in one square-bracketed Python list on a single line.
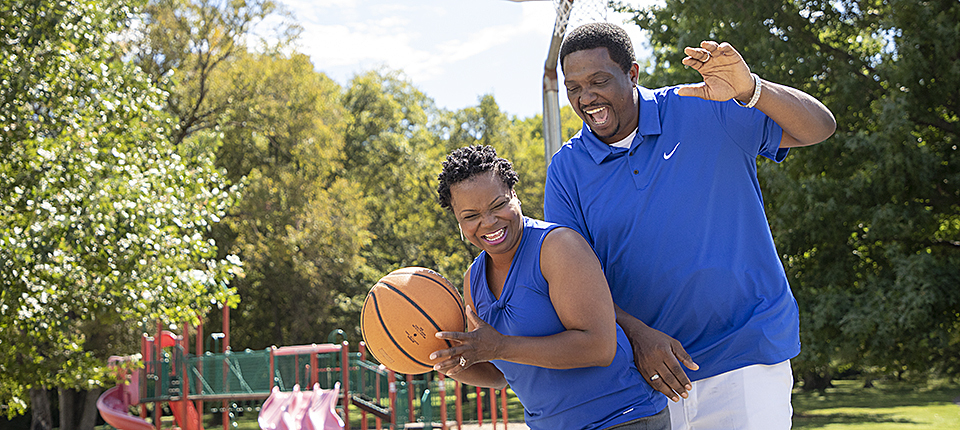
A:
[(597, 119), (495, 236)]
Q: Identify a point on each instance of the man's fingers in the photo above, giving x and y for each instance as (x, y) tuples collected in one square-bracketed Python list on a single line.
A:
[(691, 62), (679, 382), (696, 54), (657, 382), (694, 90), (684, 358), (687, 361)]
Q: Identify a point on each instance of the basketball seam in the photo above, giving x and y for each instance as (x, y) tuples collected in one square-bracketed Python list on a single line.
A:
[(376, 307), (445, 286), (419, 271), (422, 312)]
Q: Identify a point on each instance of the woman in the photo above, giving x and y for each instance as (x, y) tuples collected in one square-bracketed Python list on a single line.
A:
[(544, 320)]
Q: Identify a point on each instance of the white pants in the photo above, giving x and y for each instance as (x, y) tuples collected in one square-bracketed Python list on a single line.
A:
[(753, 397)]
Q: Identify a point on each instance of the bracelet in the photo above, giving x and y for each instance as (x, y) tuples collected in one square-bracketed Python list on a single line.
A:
[(756, 93)]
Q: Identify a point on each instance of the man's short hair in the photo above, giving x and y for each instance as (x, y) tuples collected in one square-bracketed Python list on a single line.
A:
[(600, 35)]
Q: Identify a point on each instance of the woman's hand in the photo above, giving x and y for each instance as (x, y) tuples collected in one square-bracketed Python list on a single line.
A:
[(481, 344)]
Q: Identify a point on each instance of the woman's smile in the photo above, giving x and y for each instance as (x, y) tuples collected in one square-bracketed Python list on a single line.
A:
[(495, 237)]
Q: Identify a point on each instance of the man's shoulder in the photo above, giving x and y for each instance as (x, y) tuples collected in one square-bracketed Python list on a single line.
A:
[(570, 152), (671, 94)]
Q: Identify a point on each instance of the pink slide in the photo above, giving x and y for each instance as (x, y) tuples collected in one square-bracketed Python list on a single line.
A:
[(300, 410), (114, 408)]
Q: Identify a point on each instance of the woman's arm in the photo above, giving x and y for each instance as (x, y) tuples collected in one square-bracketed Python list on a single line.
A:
[(581, 298), (480, 374)]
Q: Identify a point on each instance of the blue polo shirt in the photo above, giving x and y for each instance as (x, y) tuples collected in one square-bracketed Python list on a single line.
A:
[(677, 221)]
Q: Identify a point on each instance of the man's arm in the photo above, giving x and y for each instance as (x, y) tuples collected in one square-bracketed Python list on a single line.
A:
[(657, 354), (804, 120)]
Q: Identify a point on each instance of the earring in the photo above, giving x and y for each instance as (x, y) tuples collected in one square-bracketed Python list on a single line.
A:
[(461, 233)]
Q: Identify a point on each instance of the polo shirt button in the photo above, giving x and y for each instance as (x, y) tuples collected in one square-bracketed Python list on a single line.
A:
[(636, 172), (631, 152)]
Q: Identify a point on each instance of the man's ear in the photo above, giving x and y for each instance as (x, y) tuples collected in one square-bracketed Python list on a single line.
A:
[(634, 73)]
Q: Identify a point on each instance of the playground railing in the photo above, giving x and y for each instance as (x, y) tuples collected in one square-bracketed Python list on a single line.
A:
[(393, 400)]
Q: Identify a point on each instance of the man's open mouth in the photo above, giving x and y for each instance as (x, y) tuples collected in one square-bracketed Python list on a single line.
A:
[(598, 115)]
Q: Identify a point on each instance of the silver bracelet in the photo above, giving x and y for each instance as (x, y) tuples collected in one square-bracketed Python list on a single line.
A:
[(756, 93)]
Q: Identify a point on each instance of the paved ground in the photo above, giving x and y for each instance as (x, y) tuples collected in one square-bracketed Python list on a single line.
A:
[(474, 426), (488, 426)]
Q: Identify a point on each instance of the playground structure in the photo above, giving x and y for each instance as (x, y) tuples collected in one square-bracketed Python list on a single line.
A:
[(189, 383)]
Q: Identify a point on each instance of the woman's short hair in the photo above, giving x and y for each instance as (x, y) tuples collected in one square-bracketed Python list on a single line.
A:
[(467, 162)]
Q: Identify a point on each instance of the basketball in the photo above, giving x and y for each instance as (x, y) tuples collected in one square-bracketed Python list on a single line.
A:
[(402, 314)]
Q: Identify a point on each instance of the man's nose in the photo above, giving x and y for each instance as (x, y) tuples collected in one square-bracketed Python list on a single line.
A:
[(587, 96)]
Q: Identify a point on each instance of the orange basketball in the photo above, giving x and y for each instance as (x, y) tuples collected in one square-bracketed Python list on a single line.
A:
[(402, 314)]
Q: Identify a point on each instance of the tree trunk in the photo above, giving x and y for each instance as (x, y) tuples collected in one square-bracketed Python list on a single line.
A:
[(40, 405), (90, 413), (78, 409), (813, 380), (67, 410)]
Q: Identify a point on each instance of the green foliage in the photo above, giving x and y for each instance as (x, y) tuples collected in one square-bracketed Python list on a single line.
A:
[(189, 45), (395, 142), (102, 221), (301, 223), (868, 222)]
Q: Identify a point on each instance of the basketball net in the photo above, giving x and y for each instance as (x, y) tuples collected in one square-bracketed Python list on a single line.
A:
[(586, 11), (569, 14)]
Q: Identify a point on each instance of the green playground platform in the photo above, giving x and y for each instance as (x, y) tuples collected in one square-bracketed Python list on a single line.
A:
[(233, 378)]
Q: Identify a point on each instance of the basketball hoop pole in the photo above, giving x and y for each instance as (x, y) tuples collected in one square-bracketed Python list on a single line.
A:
[(551, 101), (551, 86)]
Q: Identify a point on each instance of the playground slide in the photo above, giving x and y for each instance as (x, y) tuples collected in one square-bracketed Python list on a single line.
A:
[(299, 410), (115, 411), (191, 421)]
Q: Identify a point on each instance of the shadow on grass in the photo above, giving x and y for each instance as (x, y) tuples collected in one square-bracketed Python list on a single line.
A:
[(849, 404), (801, 420)]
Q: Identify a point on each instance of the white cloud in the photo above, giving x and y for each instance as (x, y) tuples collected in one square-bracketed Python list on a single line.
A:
[(454, 50)]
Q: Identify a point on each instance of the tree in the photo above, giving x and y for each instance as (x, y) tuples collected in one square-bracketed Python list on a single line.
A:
[(102, 221), (192, 43), (276, 126), (394, 146), (868, 223), (300, 223)]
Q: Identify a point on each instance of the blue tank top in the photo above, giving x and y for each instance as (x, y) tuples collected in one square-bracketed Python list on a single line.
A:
[(583, 398)]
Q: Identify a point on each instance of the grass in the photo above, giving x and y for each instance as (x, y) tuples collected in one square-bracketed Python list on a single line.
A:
[(886, 406), (847, 406)]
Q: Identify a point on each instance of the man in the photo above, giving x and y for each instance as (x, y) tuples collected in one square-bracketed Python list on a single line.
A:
[(663, 184)]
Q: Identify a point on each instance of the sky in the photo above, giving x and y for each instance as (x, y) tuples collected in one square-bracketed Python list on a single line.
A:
[(454, 51)]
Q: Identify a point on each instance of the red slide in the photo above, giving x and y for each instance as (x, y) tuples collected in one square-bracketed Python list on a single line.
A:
[(115, 411), (191, 421)]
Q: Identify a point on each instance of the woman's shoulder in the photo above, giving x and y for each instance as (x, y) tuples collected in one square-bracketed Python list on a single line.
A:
[(539, 224)]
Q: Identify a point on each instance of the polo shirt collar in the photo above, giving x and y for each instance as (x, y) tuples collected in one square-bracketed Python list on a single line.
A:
[(649, 124)]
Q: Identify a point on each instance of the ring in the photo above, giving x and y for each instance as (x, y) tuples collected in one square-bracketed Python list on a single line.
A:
[(652, 378), (463, 361)]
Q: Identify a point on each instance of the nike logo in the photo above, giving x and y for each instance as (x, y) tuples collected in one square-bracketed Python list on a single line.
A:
[(667, 156)]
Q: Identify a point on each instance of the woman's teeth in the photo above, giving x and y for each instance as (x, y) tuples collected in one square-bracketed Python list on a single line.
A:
[(495, 236)]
